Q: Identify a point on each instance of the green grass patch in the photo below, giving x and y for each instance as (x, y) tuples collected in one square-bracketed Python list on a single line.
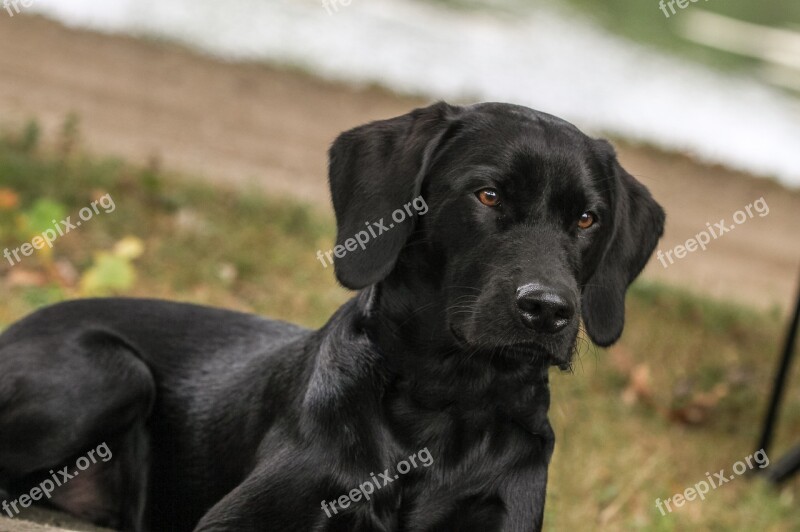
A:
[(211, 245)]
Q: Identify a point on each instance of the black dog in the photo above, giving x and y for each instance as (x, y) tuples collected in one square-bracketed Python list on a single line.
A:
[(422, 404)]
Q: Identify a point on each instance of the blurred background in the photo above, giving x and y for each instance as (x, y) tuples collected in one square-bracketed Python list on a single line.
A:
[(208, 125)]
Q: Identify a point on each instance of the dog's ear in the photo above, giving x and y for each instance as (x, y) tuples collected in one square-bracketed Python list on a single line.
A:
[(637, 225), (376, 169)]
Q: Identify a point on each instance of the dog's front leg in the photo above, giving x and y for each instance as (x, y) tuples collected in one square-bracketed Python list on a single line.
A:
[(276, 499), (291, 494), (524, 498), (524, 494)]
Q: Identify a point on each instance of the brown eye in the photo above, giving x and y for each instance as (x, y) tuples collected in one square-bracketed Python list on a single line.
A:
[(489, 197), (586, 220)]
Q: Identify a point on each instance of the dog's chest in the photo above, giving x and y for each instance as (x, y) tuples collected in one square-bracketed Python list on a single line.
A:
[(474, 454), (461, 417)]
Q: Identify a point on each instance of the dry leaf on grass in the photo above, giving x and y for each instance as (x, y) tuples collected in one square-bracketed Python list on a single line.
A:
[(20, 277)]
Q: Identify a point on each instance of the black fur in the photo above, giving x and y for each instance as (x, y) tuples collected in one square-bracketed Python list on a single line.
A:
[(225, 421)]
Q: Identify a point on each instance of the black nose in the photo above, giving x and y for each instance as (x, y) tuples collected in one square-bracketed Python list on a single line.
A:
[(545, 309)]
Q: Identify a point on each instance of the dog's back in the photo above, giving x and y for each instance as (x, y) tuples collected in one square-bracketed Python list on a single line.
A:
[(160, 383)]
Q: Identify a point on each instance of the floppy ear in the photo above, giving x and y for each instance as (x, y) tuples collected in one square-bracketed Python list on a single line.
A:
[(638, 224), (376, 169)]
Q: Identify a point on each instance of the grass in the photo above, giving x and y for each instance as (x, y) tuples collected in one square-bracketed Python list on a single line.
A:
[(203, 244), (709, 367), (681, 395)]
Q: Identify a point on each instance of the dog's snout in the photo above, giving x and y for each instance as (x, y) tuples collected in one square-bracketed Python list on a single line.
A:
[(545, 309)]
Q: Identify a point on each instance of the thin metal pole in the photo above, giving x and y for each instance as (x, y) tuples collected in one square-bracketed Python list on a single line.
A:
[(780, 380)]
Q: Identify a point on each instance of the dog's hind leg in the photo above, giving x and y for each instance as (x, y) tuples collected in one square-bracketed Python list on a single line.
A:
[(76, 403)]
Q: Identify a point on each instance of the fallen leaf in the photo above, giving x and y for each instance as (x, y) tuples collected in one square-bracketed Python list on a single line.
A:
[(20, 277), (8, 199)]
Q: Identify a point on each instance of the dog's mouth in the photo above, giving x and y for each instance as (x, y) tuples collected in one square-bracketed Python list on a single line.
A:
[(534, 349), (523, 350), (460, 340)]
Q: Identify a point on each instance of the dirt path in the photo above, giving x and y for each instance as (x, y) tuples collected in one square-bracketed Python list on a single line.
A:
[(249, 123)]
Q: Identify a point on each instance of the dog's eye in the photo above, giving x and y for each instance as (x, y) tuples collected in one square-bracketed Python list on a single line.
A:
[(586, 220), (489, 197)]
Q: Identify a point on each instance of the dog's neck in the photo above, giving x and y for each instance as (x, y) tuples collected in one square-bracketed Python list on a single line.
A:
[(431, 375)]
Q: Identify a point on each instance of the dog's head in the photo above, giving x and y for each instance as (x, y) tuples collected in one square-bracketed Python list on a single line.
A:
[(517, 223)]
